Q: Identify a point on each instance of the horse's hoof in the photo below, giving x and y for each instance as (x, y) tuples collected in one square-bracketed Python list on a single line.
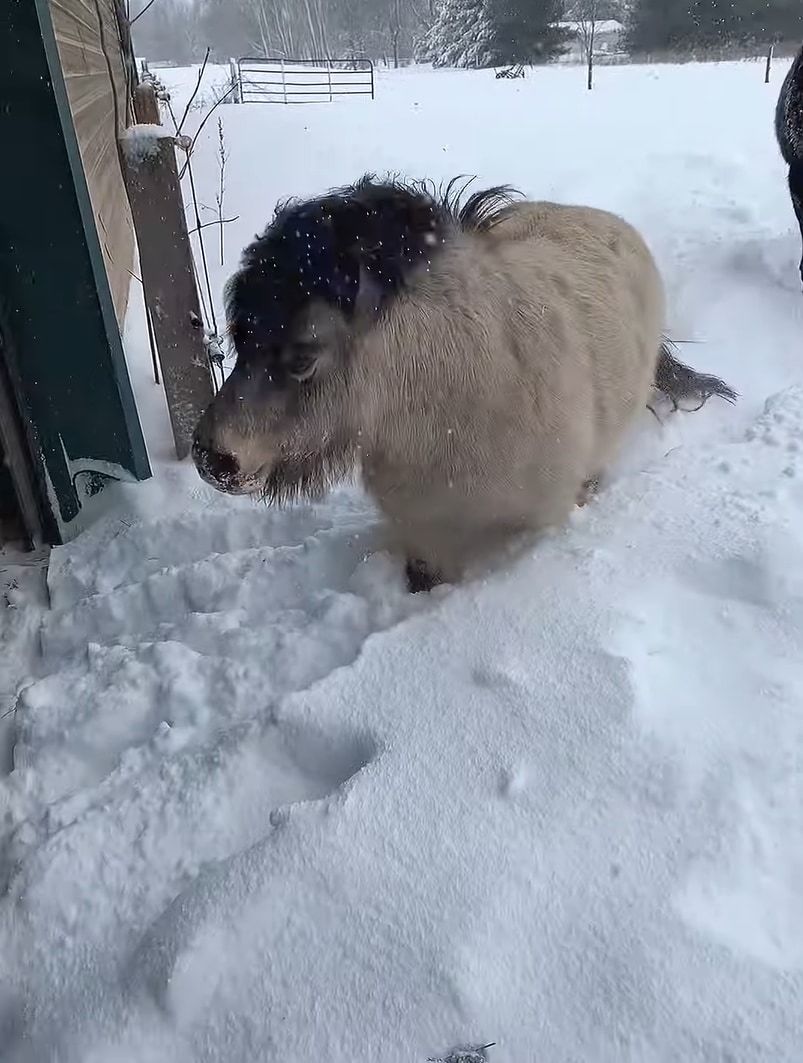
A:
[(419, 577)]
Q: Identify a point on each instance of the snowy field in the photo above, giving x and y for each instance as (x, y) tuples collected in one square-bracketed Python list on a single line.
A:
[(265, 807)]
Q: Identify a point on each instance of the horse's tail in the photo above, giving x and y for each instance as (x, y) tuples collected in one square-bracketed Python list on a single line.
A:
[(682, 384)]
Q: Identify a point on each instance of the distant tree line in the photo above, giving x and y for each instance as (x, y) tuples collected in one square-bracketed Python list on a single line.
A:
[(467, 33), (477, 33), (180, 30), (696, 25)]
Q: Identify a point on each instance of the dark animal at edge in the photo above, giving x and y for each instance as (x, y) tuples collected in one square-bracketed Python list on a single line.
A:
[(789, 133)]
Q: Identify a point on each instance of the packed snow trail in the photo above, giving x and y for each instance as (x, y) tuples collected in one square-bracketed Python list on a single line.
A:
[(558, 808), (266, 806)]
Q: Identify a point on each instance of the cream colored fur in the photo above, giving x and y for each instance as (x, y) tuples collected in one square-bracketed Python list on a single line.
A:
[(506, 378), (481, 400)]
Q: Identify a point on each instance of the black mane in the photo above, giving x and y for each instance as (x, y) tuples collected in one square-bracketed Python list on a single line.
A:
[(789, 114), (320, 248), (789, 132)]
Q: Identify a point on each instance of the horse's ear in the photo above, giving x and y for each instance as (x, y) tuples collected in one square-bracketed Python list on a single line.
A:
[(344, 278), (368, 301), (355, 288)]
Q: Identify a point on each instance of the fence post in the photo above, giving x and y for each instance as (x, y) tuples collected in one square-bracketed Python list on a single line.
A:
[(371, 68), (151, 178), (146, 106), (770, 54), (284, 82), (329, 77), (236, 81)]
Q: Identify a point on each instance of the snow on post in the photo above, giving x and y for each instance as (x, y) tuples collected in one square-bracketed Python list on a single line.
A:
[(140, 142)]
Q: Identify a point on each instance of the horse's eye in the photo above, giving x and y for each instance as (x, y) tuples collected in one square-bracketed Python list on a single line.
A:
[(307, 348), (303, 359)]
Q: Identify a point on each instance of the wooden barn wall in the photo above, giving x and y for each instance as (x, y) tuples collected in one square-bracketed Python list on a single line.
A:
[(88, 39)]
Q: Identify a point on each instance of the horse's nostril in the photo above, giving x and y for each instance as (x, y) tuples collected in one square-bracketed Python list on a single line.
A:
[(223, 466), (213, 465)]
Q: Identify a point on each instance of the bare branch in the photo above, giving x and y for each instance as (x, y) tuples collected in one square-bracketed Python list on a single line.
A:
[(152, 345), (149, 4), (221, 193), (194, 91), (151, 337), (199, 224), (206, 118), (209, 224)]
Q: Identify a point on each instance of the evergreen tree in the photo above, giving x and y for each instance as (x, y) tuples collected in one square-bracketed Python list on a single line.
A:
[(494, 32), (659, 24), (459, 36), (769, 20), (525, 31), (688, 24)]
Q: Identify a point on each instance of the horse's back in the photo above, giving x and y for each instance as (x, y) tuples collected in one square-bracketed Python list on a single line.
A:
[(595, 272)]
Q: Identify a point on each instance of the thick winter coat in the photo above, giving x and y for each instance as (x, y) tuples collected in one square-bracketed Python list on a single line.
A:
[(483, 365)]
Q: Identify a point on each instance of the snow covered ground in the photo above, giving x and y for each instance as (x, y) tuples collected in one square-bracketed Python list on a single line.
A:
[(265, 806)]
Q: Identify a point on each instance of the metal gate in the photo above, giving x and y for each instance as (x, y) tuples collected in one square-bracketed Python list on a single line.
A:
[(302, 80)]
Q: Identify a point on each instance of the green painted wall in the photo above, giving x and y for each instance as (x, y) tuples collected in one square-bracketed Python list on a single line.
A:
[(69, 369)]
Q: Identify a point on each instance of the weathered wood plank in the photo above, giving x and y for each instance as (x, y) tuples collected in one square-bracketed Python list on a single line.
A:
[(88, 40), (167, 276)]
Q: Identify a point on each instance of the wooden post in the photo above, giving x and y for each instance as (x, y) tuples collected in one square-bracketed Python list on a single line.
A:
[(590, 81), (236, 81), (146, 106), (165, 257), (770, 54)]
